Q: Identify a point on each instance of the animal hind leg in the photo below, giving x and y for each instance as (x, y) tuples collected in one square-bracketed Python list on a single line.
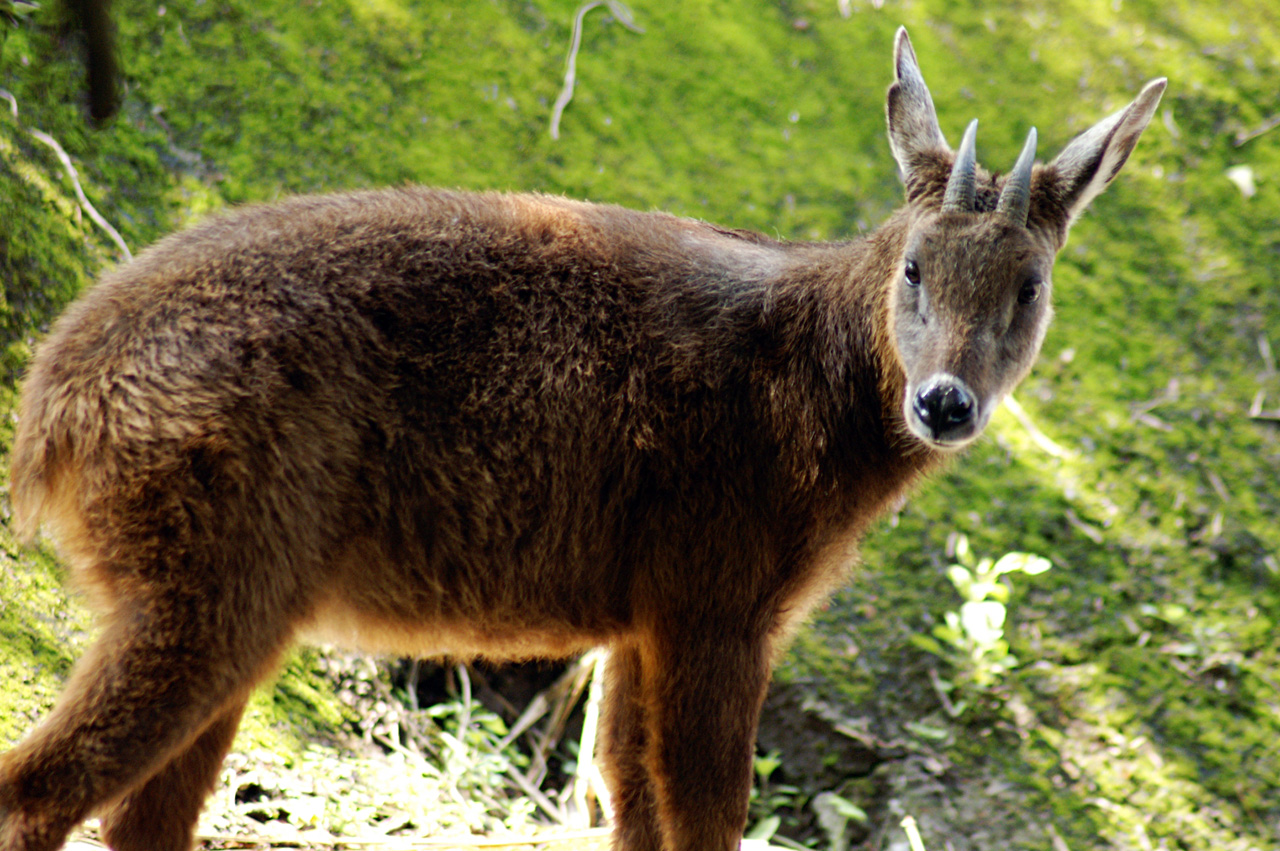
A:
[(162, 671), (624, 745), (161, 813)]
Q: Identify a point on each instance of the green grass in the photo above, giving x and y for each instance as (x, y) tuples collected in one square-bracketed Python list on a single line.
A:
[(1146, 707)]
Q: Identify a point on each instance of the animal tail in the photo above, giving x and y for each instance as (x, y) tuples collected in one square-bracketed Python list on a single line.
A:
[(55, 426)]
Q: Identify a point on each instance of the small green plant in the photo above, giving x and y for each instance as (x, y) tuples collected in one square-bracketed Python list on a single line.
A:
[(769, 801), (834, 813), (972, 639)]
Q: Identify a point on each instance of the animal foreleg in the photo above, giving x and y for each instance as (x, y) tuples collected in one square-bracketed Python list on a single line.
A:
[(705, 684)]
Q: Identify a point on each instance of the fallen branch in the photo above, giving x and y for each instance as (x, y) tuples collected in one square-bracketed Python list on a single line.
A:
[(562, 696), (1151, 421), (1257, 413), (1268, 357), (1037, 436), (548, 806), (464, 720), (1266, 127), (583, 781), (87, 207), (1082, 527), (623, 16)]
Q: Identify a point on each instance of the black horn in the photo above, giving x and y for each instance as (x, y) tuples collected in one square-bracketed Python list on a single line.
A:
[(960, 188), (1015, 198)]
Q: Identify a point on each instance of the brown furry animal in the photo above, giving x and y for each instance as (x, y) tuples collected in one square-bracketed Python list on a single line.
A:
[(427, 422)]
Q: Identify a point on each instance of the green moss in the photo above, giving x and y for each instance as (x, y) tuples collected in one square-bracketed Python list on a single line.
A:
[(299, 707), (40, 631)]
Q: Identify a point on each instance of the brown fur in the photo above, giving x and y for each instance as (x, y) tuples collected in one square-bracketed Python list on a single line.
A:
[(428, 422)]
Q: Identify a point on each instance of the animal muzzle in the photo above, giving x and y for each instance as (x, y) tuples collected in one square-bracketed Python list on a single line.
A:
[(944, 412)]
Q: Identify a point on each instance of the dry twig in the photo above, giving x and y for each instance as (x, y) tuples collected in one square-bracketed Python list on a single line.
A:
[(623, 16), (1037, 436), (88, 208), (1268, 356), (1256, 411), (585, 779), (1082, 527), (1266, 127), (560, 699)]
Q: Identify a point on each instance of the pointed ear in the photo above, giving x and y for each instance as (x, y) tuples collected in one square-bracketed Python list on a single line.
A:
[(913, 123), (1093, 159)]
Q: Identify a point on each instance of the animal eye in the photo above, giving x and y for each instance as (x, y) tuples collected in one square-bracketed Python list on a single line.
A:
[(912, 273), (1030, 292)]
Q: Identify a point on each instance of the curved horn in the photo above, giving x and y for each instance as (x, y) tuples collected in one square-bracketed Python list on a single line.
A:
[(1015, 198), (960, 187)]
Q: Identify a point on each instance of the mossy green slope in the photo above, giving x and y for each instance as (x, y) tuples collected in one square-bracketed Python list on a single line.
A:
[(1146, 704)]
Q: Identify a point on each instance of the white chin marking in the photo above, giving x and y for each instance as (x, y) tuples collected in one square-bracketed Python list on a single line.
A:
[(953, 445), (922, 434)]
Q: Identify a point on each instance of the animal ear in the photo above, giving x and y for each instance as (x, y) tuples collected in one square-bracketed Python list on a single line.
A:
[(1093, 159), (913, 123)]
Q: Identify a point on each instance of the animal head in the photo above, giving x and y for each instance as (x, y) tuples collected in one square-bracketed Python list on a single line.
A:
[(970, 302)]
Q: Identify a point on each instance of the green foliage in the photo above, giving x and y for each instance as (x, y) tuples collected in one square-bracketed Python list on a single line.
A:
[(12, 11), (972, 639), (835, 813), (770, 800), (777, 808), (39, 632)]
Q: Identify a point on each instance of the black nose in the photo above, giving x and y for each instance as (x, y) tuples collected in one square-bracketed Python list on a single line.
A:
[(945, 409)]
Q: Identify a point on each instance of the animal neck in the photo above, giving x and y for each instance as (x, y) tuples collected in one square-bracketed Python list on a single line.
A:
[(840, 398)]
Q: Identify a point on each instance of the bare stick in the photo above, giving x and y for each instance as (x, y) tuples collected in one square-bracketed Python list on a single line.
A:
[(1267, 126), (89, 209), (575, 681), (623, 15), (1037, 436), (580, 815), (464, 721), (548, 806), (544, 702), (913, 834), (84, 201), (1255, 409), (1082, 527), (537, 707)]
